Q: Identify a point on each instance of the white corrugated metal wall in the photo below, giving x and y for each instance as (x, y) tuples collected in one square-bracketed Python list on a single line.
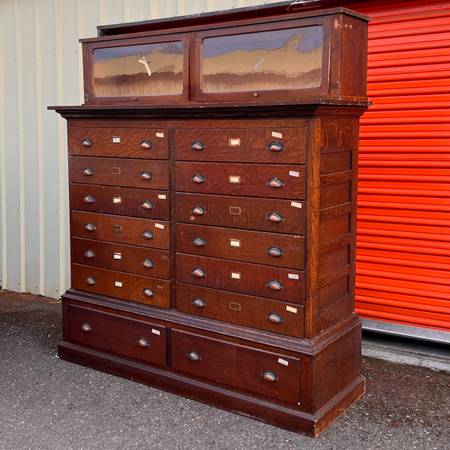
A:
[(40, 65)]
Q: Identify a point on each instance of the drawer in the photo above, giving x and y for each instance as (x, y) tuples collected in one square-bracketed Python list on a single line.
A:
[(124, 258), (272, 282), (119, 142), (275, 181), (281, 216), (108, 331), (265, 145), (283, 250), (136, 288), (126, 230), (249, 369), (120, 172), (119, 200), (240, 309)]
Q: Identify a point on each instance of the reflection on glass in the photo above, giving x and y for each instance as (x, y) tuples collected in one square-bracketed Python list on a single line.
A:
[(139, 70), (269, 60)]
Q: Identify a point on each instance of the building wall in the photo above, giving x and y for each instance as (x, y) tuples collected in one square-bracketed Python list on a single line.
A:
[(40, 65)]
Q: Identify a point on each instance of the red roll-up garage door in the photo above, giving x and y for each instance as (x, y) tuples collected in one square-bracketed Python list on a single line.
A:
[(403, 250)]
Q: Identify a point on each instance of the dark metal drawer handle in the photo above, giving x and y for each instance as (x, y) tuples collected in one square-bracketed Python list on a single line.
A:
[(275, 285), (89, 254), (275, 217), (147, 234), (147, 176), (199, 242), (148, 145), (199, 273), (142, 342), (147, 263), (90, 227), (149, 292), (275, 183), (198, 211), (90, 281), (86, 327), (86, 142), (274, 318), (269, 376), (198, 303), (194, 356), (88, 171), (198, 178), (147, 204), (275, 251), (276, 146), (89, 199), (198, 145)]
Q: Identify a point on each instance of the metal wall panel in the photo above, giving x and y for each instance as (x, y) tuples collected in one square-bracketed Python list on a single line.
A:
[(40, 65)]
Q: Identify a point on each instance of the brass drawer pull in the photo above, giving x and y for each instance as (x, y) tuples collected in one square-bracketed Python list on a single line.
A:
[(198, 303), (194, 356), (276, 146), (142, 342), (274, 318), (90, 281), (275, 183), (198, 178), (88, 171), (147, 176), (198, 211), (86, 142), (275, 217), (89, 254), (147, 263), (90, 227), (198, 146), (147, 205), (149, 292), (269, 376), (148, 145), (199, 242), (199, 273), (275, 285), (89, 199), (86, 327), (275, 252), (147, 234)]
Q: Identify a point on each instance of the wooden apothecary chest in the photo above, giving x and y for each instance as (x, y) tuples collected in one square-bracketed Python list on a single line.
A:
[(212, 193)]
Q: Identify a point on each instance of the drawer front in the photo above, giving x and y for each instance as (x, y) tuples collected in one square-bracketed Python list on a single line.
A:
[(124, 258), (151, 291), (119, 142), (281, 250), (254, 279), (240, 309), (122, 201), (260, 372), (275, 181), (120, 172), (110, 332), (281, 216), (126, 230), (264, 145)]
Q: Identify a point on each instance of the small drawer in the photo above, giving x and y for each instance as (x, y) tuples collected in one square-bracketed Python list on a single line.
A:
[(265, 281), (282, 250), (257, 371), (120, 172), (240, 309), (108, 331), (126, 230), (123, 258), (281, 216), (264, 145), (122, 201), (118, 142), (151, 291), (274, 181)]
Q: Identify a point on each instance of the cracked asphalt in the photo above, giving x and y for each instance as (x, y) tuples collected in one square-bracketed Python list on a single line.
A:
[(47, 403)]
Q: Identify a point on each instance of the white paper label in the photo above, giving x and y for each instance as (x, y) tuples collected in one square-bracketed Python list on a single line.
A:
[(162, 196), (118, 284), (293, 276), (160, 226), (235, 179), (291, 309), (157, 332), (159, 134), (235, 275), (117, 200), (283, 362), (116, 140), (235, 243), (234, 142), (276, 134), (294, 173), (117, 255), (297, 205)]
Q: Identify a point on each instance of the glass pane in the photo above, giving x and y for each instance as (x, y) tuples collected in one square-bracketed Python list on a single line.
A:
[(263, 61), (139, 70)]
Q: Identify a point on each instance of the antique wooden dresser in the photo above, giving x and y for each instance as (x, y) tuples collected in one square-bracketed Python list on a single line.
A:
[(212, 179)]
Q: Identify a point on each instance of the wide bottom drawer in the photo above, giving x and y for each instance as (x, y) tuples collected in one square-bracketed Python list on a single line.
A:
[(253, 370), (151, 291), (110, 332)]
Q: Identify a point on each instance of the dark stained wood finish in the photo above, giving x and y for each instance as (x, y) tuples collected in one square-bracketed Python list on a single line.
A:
[(242, 277), (123, 258), (121, 201), (120, 229), (241, 245), (242, 212), (120, 172), (242, 144), (246, 310)]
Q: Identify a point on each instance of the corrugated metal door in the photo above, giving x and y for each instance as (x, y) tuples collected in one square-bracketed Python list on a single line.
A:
[(403, 250)]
